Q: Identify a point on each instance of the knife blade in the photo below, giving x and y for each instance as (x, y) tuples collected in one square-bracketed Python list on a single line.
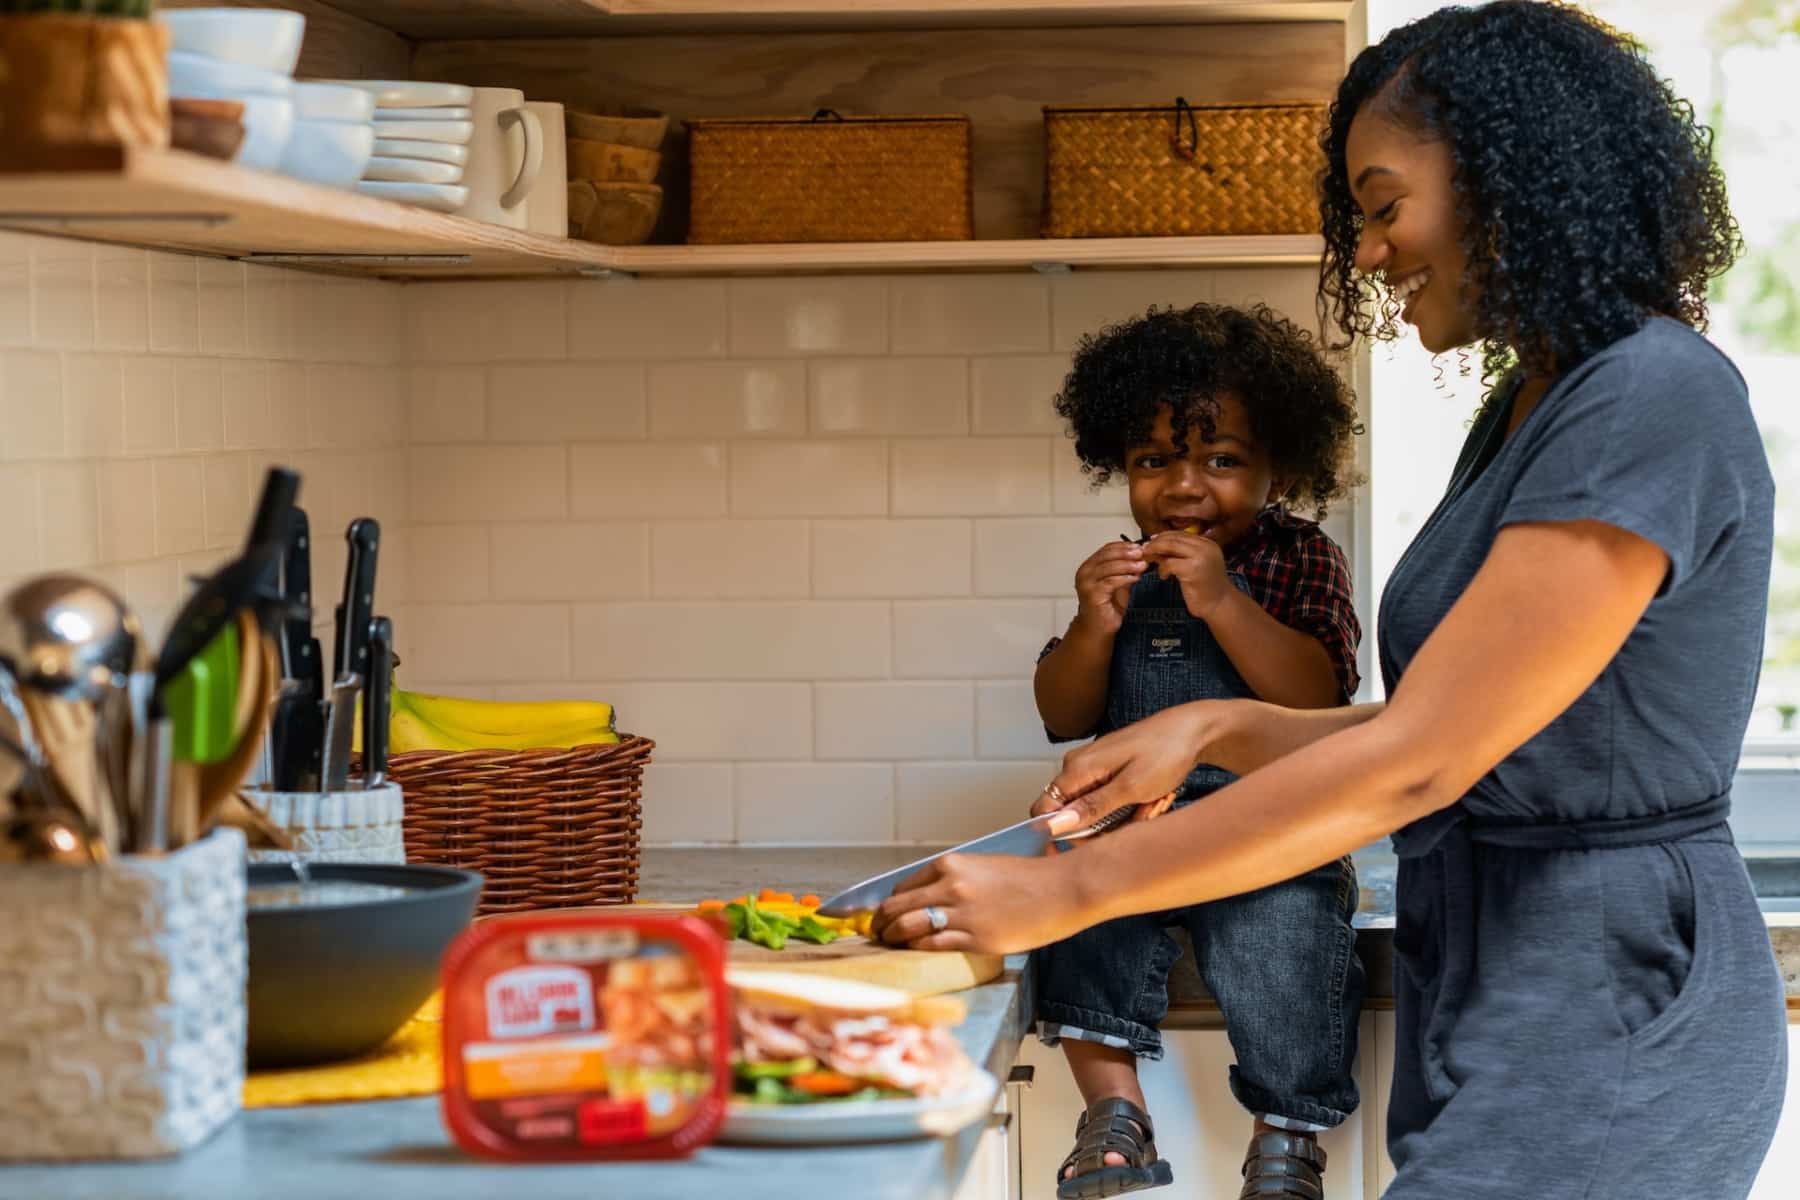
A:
[(1027, 839), (350, 649), (297, 727), (376, 700), (340, 724)]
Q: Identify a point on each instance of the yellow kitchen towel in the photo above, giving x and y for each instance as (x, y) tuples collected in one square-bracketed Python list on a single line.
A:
[(408, 1064)]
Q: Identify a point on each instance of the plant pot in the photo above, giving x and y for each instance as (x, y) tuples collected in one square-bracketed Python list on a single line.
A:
[(82, 81)]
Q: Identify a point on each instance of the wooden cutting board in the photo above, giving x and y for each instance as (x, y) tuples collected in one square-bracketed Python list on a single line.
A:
[(921, 972)]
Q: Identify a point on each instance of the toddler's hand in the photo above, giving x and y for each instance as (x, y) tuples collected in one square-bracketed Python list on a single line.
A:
[(1197, 562), (1103, 585)]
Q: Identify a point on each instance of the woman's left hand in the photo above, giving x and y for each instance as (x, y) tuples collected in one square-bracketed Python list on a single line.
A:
[(991, 904)]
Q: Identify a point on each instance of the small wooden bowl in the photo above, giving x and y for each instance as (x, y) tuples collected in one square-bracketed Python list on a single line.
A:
[(614, 214), (608, 162), (640, 127), (214, 128)]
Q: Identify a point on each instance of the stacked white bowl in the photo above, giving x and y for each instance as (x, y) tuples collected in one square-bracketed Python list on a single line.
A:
[(422, 132), (317, 132)]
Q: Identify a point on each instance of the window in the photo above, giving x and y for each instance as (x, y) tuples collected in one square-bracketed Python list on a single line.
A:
[(1736, 62)]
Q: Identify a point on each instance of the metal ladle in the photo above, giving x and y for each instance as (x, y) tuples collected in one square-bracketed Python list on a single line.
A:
[(69, 637)]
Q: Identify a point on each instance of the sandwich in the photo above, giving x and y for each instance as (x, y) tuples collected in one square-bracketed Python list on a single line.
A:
[(803, 1039)]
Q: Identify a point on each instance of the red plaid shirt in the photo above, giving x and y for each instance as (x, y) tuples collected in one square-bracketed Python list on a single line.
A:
[(1301, 578)]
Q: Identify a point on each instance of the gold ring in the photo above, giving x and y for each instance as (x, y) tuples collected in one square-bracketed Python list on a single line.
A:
[(1055, 793)]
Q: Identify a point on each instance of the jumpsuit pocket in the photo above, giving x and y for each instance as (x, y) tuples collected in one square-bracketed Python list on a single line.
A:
[(1655, 935)]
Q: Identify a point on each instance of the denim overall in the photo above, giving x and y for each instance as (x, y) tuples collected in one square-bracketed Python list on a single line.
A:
[(1281, 961)]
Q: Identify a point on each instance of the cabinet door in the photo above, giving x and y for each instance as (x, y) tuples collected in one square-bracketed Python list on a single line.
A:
[(1200, 1128), (1782, 1167)]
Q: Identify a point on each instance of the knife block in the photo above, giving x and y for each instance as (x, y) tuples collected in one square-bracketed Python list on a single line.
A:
[(355, 826), (122, 1003)]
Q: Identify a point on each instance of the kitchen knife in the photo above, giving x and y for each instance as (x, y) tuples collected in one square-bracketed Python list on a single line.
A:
[(297, 729), (376, 702), (340, 724), (1027, 839), (350, 650)]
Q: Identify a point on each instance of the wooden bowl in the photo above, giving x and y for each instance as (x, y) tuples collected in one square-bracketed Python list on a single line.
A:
[(214, 128), (614, 214), (608, 162), (640, 127)]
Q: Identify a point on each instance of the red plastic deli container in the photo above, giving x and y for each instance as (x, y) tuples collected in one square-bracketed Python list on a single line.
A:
[(587, 1035)]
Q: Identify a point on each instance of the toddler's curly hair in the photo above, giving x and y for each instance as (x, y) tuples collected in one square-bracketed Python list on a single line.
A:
[(1300, 411)]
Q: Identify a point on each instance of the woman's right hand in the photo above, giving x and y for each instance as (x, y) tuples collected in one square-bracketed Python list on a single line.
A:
[(1103, 585), (1140, 764)]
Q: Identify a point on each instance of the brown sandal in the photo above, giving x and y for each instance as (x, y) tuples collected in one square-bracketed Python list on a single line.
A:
[(1283, 1166), (1118, 1126)]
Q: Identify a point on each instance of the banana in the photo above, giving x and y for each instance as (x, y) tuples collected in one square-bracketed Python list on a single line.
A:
[(472, 718), (407, 731), (412, 727)]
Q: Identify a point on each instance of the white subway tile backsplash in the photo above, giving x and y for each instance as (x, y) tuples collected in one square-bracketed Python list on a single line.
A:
[(180, 489), (1017, 393), (151, 423), (487, 483), (906, 396), (15, 289), (1290, 291), (809, 316), (891, 558), (127, 510), (971, 476), (199, 404), (498, 642), (969, 639), (593, 560), (446, 404), (1036, 556), (970, 314), (268, 312), (1073, 490), (808, 803), (174, 304), (244, 395), (647, 319), (62, 285), (945, 803), (687, 802), (813, 478), (20, 550), (227, 481), (727, 399), (730, 559), (94, 406), (895, 720), (121, 298), (659, 479), (1086, 302), (223, 297), (565, 402), (288, 402), (486, 322), (698, 722), (1007, 724), (31, 405), (747, 639), (448, 564)]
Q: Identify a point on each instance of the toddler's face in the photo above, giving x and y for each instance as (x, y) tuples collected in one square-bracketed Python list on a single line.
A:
[(1218, 486)]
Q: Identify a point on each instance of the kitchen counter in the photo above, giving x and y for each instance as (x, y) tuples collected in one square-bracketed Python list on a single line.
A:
[(399, 1148)]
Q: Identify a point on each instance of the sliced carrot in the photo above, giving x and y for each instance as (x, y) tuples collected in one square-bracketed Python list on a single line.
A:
[(785, 897), (824, 1083), (767, 894), (810, 900), (709, 906)]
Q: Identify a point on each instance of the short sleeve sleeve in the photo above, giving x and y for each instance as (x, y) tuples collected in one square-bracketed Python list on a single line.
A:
[(1657, 440), (1322, 606)]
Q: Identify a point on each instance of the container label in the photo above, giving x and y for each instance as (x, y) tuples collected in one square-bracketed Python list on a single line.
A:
[(535, 1001)]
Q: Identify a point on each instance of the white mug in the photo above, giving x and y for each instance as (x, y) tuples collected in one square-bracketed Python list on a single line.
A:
[(547, 211), (506, 153)]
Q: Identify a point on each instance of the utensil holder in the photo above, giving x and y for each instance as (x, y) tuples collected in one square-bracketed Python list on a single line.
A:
[(122, 1003), (355, 826)]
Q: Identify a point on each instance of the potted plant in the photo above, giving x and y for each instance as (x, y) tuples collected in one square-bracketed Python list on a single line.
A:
[(82, 73)]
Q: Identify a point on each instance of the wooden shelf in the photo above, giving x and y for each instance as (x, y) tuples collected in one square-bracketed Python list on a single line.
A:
[(436, 19), (174, 201)]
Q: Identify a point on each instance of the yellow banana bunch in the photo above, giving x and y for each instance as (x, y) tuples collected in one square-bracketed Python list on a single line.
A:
[(425, 722)]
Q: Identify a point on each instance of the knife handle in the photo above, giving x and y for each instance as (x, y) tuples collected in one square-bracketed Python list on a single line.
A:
[(376, 702)]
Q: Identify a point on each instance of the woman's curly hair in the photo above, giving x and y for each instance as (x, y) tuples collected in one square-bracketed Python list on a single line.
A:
[(1300, 411), (1587, 192)]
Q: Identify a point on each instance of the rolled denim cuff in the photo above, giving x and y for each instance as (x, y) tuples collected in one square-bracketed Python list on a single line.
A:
[(1059, 1021)]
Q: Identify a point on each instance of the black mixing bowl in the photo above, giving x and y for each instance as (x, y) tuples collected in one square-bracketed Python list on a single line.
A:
[(333, 979)]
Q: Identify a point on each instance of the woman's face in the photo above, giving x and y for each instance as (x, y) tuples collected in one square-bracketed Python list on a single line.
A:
[(1410, 233)]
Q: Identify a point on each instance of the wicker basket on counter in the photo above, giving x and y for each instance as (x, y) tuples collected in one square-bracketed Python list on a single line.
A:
[(830, 179), (1182, 170), (546, 828)]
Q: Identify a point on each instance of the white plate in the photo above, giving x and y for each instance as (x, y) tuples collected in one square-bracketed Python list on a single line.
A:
[(455, 132), (423, 114), (860, 1120), (438, 197), (411, 170), (331, 102), (192, 74), (443, 152), (267, 38), (411, 93)]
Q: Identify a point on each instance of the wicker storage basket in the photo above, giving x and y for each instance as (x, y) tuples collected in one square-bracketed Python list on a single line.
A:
[(830, 179), (1182, 170), (546, 828)]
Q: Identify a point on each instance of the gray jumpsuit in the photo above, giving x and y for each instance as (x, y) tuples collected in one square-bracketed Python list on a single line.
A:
[(1586, 1000)]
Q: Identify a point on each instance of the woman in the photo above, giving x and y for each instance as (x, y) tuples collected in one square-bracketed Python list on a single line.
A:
[(1586, 999)]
